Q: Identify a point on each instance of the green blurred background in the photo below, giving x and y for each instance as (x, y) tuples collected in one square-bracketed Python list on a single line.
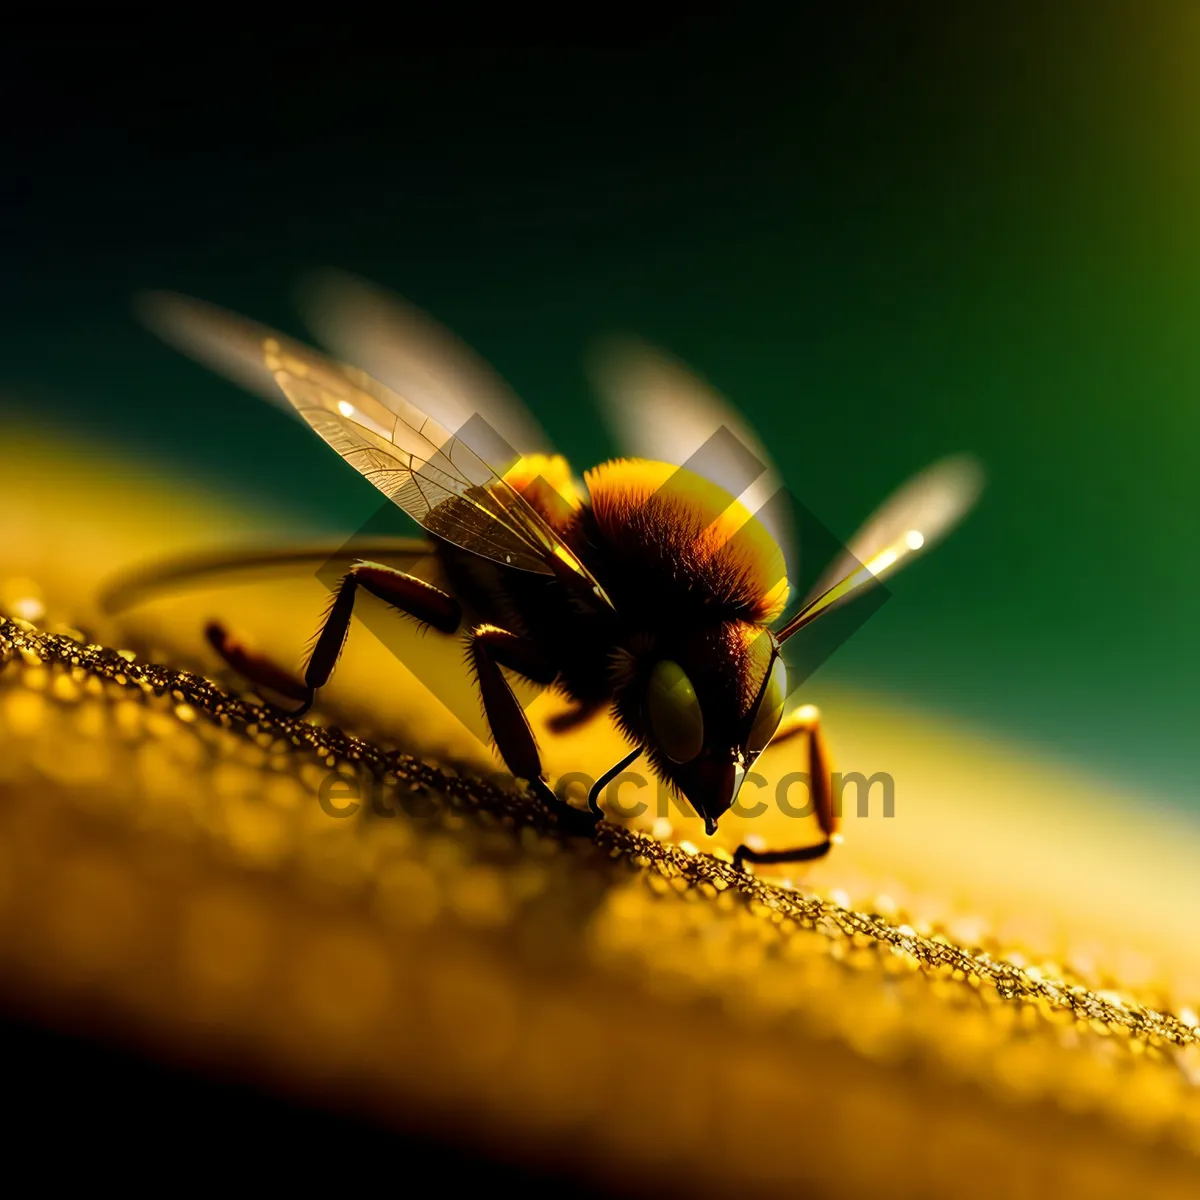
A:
[(885, 235)]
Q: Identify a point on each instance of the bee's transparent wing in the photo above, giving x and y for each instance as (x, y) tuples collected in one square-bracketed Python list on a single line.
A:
[(658, 409), (435, 477), (911, 521), (415, 357)]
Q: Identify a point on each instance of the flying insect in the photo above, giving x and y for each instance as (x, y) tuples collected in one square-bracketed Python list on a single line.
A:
[(655, 587)]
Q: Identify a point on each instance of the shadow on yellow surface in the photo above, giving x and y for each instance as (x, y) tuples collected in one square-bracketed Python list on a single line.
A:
[(987, 990)]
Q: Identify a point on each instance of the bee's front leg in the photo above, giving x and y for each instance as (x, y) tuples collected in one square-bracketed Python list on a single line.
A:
[(805, 721), (492, 648)]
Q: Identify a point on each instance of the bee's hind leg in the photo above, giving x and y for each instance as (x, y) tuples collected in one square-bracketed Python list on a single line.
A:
[(490, 649), (803, 721), (406, 593)]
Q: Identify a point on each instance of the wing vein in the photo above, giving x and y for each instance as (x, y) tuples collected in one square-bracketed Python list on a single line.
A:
[(432, 474)]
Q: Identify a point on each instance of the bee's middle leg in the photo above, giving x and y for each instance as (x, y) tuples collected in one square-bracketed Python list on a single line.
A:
[(492, 648), (804, 722), (405, 593)]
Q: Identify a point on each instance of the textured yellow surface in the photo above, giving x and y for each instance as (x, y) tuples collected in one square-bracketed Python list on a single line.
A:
[(987, 994)]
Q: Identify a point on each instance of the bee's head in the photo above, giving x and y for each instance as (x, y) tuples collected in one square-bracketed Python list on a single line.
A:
[(707, 705)]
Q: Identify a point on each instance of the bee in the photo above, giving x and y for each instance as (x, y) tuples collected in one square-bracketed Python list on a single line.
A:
[(654, 587)]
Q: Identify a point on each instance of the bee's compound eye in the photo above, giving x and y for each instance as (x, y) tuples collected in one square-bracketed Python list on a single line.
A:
[(770, 709), (675, 715)]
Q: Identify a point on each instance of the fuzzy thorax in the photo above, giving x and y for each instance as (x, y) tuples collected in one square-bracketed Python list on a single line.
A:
[(685, 533)]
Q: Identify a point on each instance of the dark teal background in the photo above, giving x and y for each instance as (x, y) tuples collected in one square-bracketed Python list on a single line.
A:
[(886, 237)]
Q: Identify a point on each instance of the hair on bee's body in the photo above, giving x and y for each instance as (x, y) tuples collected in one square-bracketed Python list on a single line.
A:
[(693, 578), (648, 590)]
